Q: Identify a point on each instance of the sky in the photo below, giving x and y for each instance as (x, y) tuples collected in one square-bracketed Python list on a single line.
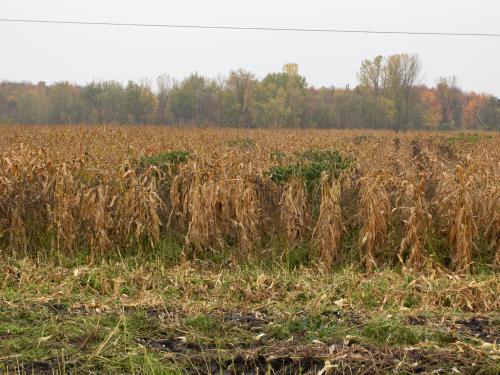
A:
[(80, 54)]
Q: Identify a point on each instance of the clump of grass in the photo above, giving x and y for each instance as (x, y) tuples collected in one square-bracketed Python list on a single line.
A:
[(305, 328), (390, 333), (364, 138), (296, 257), (393, 332), (243, 143), (465, 138), (310, 166), (277, 156), (203, 323), (165, 160)]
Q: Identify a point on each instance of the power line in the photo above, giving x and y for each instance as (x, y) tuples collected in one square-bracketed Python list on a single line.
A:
[(251, 28)]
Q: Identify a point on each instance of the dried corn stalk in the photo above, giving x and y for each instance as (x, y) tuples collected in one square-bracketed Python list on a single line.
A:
[(416, 224), (455, 205), (294, 211), (374, 210), (328, 229)]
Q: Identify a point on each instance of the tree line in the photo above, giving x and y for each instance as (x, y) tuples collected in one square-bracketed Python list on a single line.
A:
[(388, 95)]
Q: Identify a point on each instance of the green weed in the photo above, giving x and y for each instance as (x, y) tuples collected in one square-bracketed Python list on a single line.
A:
[(310, 166), (465, 138), (164, 160), (244, 143)]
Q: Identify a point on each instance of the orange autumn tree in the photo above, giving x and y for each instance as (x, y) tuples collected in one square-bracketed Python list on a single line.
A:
[(431, 109), (474, 103)]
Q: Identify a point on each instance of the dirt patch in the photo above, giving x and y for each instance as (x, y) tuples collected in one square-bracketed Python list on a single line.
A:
[(479, 327), (40, 367), (292, 358), (484, 328), (417, 320), (56, 307), (250, 346), (268, 355), (249, 320), (51, 366), (163, 315), (172, 345), (259, 365), (4, 336), (339, 359)]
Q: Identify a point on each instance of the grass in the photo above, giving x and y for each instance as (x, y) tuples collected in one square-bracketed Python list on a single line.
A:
[(202, 323), (164, 160), (85, 342), (244, 143), (158, 313), (307, 328), (472, 138), (393, 331)]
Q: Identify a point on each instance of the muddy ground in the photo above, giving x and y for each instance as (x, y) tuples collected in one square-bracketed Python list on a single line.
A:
[(243, 342)]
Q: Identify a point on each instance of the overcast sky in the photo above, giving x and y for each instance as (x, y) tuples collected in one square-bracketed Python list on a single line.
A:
[(36, 52)]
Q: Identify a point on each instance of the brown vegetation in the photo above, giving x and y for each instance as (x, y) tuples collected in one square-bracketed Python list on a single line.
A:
[(398, 195)]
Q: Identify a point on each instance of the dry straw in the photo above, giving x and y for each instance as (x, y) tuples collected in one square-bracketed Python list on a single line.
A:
[(328, 229), (65, 189)]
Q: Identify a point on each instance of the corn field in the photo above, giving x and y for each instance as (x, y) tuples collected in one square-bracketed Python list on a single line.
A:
[(378, 198)]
